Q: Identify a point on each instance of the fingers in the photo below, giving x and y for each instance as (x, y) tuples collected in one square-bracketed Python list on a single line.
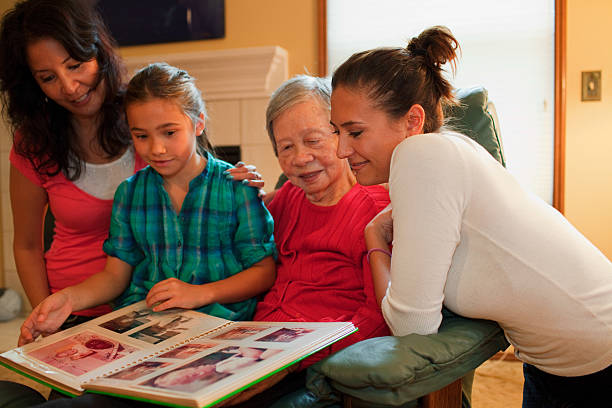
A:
[(168, 304), (246, 174), (240, 166), (255, 183), (28, 332), (25, 336), (43, 310), (160, 292)]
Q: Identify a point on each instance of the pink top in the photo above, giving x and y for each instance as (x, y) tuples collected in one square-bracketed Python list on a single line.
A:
[(81, 226), (322, 268)]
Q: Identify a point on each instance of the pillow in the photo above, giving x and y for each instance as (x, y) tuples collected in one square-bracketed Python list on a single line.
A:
[(475, 117), (397, 370)]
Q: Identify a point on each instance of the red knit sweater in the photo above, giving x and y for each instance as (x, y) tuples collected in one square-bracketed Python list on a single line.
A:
[(322, 270)]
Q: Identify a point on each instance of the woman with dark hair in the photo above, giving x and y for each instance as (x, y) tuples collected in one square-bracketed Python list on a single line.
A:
[(465, 234), (62, 83)]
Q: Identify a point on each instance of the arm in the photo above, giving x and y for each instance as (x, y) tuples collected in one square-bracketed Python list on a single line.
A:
[(28, 202), (244, 285), (379, 234), (429, 190), (253, 245), (100, 288)]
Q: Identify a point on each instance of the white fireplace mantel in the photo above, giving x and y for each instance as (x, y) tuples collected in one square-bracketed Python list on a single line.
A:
[(227, 74)]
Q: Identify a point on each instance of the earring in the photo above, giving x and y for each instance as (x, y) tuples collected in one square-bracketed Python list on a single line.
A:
[(46, 100)]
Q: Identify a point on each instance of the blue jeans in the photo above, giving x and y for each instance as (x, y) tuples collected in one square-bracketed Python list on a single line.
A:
[(543, 390)]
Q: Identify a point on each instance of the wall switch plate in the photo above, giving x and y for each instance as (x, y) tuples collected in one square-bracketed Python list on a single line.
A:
[(591, 85)]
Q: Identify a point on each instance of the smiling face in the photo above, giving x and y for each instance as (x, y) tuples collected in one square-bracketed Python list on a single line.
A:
[(307, 153), (367, 135), (72, 84), (165, 138)]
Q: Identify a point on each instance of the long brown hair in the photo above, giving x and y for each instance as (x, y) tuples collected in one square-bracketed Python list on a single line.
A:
[(47, 138), (397, 78)]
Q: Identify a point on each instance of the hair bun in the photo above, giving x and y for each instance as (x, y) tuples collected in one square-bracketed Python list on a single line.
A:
[(415, 48), (436, 45)]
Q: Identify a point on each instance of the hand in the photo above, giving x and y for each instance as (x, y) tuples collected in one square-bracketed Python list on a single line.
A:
[(381, 226), (46, 318), (176, 293), (246, 174)]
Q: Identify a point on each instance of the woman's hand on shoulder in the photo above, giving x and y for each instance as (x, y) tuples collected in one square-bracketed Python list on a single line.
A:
[(173, 292), (46, 318)]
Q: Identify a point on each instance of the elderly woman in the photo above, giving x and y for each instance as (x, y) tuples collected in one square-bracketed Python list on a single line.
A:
[(319, 215), (322, 271)]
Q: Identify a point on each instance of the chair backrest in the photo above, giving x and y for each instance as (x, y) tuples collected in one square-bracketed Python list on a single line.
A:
[(475, 116)]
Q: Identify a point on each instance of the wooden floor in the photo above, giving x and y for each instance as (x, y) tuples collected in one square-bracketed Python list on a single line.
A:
[(498, 384)]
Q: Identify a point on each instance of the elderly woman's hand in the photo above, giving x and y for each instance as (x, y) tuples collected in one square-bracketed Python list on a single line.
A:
[(247, 174)]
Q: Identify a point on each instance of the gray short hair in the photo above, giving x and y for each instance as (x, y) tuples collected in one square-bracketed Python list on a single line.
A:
[(293, 91)]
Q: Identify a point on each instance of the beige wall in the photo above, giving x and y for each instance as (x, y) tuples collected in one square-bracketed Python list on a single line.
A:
[(588, 158), (291, 24)]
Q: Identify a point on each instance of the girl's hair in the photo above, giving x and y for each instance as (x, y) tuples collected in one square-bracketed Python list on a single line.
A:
[(160, 80), (47, 138), (397, 78), (296, 90)]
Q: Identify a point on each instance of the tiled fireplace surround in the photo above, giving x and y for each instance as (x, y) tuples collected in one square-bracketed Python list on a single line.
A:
[(236, 85)]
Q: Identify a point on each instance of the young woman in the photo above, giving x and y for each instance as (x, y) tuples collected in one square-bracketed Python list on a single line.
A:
[(182, 234), (464, 232)]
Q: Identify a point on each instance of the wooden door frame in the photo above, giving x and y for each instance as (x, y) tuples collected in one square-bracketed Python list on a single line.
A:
[(560, 90), (560, 101)]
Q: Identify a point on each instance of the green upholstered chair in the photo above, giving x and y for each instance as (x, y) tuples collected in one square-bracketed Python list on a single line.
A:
[(415, 370)]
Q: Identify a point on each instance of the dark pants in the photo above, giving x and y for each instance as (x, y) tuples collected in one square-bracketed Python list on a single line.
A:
[(14, 395), (543, 390)]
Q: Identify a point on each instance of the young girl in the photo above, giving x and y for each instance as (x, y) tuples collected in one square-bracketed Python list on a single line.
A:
[(182, 234)]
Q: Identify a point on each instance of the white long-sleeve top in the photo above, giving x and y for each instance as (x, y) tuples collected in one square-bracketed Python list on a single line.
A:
[(467, 235)]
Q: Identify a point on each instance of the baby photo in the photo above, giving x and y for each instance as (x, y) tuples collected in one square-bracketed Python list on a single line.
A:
[(193, 376), (210, 369), (82, 353)]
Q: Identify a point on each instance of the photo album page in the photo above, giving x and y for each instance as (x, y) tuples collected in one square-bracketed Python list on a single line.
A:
[(178, 356)]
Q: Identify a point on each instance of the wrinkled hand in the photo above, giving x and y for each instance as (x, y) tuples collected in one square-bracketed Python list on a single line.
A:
[(382, 225), (173, 292), (46, 318), (246, 174)]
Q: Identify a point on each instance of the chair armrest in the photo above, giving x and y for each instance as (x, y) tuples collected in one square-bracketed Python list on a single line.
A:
[(395, 370)]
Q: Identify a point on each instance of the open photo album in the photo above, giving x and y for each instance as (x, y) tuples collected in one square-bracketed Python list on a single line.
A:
[(175, 357)]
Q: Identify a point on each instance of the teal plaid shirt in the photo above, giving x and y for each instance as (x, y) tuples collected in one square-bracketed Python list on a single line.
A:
[(222, 229)]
